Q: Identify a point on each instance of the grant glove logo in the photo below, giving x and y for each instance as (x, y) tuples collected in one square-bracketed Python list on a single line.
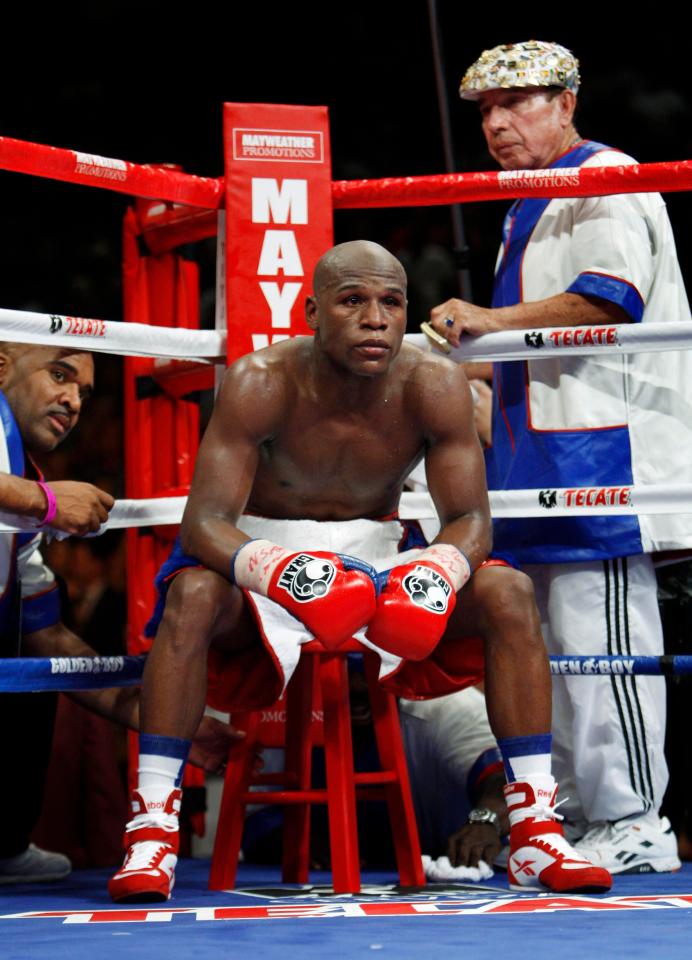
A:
[(428, 589), (307, 578)]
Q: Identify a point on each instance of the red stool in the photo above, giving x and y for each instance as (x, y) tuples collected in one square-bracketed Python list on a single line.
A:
[(326, 671)]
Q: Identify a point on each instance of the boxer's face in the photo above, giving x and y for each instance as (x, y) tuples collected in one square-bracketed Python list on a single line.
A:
[(527, 129), (359, 317), (45, 389)]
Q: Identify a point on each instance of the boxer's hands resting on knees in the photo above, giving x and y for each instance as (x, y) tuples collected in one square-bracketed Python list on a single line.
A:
[(417, 600), (334, 595), (412, 610), (82, 508)]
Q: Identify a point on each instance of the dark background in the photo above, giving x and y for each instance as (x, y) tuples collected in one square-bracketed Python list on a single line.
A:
[(136, 82)]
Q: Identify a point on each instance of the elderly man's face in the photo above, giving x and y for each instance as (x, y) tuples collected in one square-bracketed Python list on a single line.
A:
[(527, 129)]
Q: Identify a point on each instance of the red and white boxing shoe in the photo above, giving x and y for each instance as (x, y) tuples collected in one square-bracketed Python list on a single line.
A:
[(539, 856), (151, 842)]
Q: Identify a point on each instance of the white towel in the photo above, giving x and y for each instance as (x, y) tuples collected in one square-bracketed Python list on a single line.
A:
[(442, 869)]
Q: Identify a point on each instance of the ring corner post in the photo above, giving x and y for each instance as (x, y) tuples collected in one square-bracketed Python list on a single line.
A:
[(278, 218)]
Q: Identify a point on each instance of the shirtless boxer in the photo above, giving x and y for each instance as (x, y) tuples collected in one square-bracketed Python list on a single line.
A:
[(318, 434)]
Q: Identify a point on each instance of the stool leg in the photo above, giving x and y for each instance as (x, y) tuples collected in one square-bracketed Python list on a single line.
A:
[(298, 749), (341, 794), (229, 831), (402, 815)]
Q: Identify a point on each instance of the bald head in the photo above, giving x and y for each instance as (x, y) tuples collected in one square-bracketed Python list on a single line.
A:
[(358, 309), (8, 348), (357, 257), (14, 350)]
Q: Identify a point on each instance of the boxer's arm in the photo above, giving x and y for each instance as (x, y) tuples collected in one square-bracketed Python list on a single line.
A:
[(418, 597), (248, 410), (454, 462)]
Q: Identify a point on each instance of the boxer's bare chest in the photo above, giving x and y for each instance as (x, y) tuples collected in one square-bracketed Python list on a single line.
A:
[(336, 464)]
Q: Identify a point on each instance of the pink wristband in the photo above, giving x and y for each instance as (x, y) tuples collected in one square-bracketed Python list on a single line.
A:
[(52, 504)]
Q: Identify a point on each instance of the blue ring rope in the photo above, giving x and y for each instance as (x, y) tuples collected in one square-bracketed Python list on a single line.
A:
[(621, 666), (35, 674)]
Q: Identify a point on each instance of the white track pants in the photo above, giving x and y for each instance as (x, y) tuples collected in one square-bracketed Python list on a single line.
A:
[(608, 732)]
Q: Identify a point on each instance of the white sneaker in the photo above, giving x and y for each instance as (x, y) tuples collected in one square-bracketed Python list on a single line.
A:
[(643, 845), (34, 866)]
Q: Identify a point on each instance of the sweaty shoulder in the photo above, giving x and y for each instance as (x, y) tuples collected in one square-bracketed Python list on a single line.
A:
[(260, 386), (436, 391)]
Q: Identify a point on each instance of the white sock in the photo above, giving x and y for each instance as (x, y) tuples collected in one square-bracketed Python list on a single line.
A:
[(157, 771), (161, 761)]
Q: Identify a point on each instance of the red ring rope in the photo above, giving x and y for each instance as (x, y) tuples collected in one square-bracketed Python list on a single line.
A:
[(498, 185), (139, 180), (142, 180)]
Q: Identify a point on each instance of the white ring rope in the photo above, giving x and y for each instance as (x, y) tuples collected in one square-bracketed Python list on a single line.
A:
[(555, 502), (144, 340), (663, 498), (551, 342), (111, 336), (153, 512), (138, 339)]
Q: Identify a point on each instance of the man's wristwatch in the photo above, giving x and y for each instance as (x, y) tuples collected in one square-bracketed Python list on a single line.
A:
[(483, 815)]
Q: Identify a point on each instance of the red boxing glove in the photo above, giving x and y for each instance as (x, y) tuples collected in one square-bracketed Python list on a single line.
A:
[(416, 602), (334, 595)]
